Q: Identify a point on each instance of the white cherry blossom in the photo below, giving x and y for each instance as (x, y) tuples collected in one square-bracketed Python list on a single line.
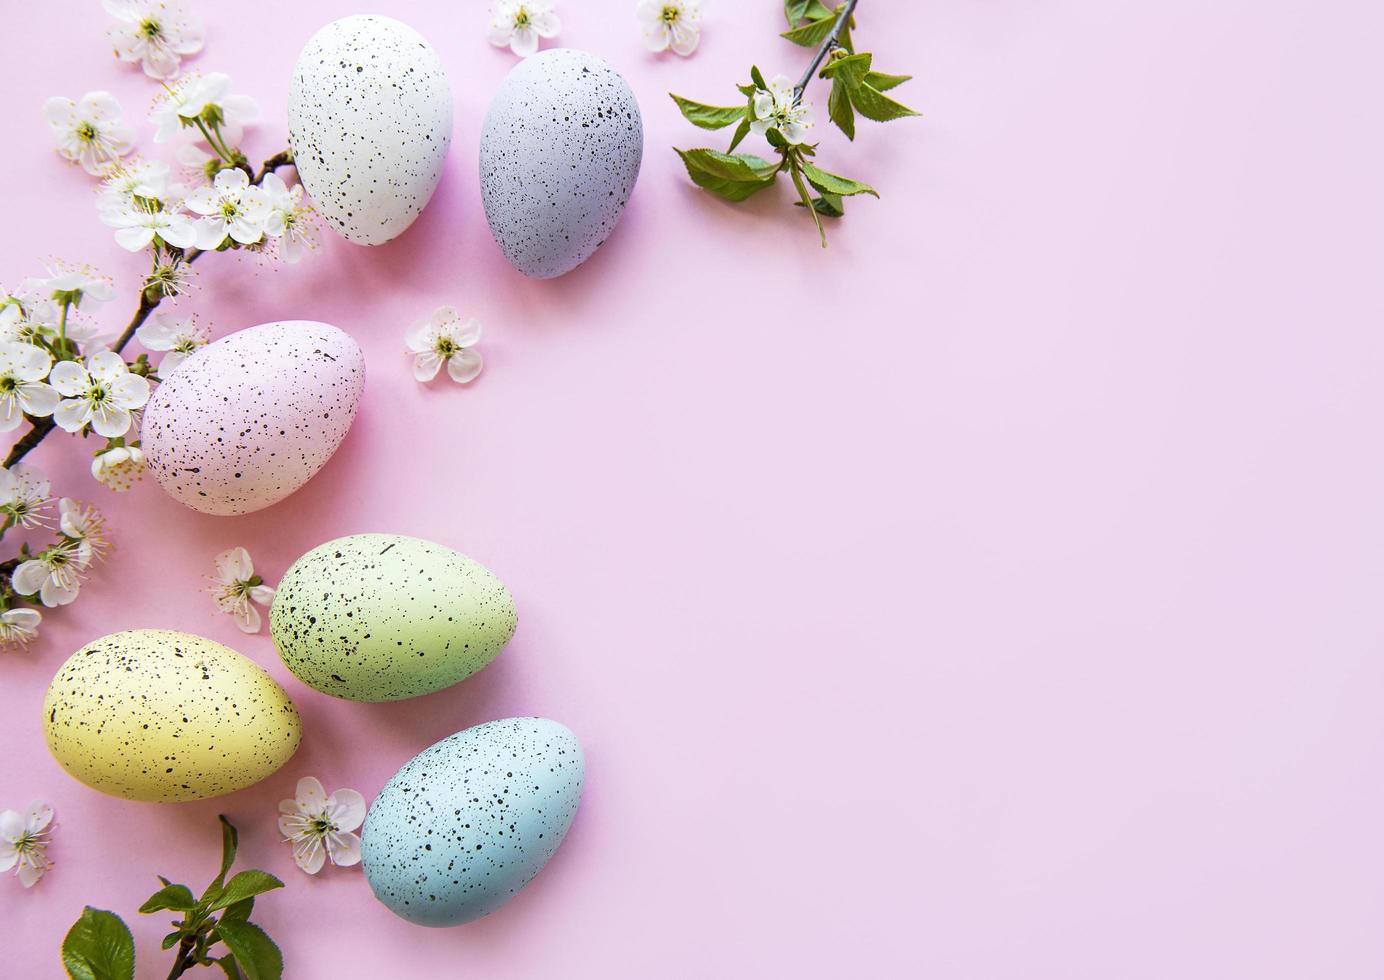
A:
[(89, 131), (22, 388), (518, 24), (155, 34), (19, 626), (54, 574), (779, 107), (236, 587), (23, 495), (102, 393), (289, 220), (179, 336), (134, 181), (119, 467), (207, 98), (230, 206), (137, 225), (320, 826), (24, 842), (672, 24), (445, 338)]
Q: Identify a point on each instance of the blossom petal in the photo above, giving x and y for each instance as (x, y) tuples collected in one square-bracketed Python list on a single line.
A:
[(463, 366), (28, 578), (234, 565), (524, 41), (263, 594), (309, 854), (11, 826), (312, 798), (30, 873), (70, 378), (347, 808), (247, 617), (343, 848), (39, 816), (426, 365), (110, 420), (467, 332), (37, 399), (130, 391), (72, 413)]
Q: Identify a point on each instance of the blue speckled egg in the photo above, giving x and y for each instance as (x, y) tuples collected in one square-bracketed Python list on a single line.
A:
[(369, 122), (469, 821), (560, 152)]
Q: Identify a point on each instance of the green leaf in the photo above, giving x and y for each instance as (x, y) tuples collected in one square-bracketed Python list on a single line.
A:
[(883, 82), (796, 10), (854, 72), (255, 953), (830, 183), (741, 132), (227, 964), (99, 947), (170, 896), (757, 78), (709, 116), (171, 940), (828, 205), (839, 108), (239, 910), (245, 884), (229, 841), (811, 34), (732, 176)]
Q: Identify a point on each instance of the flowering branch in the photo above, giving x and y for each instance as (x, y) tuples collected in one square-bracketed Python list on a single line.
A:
[(777, 112)]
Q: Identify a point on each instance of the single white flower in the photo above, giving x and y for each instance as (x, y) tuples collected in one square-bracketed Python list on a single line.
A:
[(137, 225), (155, 34), (19, 626), (518, 24), (206, 98), (134, 182), (118, 467), (231, 206), (22, 388), (445, 338), (675, 24), (236, 586), (779, 108), (89, 131), (24, 842), (179, 336), (83, 523), (55, 573), (319, 826), (80, 287), (290, 220), (23, 495), (170, 278), (103, 393)]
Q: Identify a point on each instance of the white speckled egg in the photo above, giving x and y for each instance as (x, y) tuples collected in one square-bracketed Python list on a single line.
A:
[(560, 152), (469, 821), (163, 716), (382, 617), (369, 122), (249, 419)]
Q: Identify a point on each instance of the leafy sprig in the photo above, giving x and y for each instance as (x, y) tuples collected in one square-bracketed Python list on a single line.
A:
[(99, 945), (856, 88)]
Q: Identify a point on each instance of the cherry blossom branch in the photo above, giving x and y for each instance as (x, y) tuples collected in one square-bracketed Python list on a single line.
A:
[(40, 427), (829, 43)]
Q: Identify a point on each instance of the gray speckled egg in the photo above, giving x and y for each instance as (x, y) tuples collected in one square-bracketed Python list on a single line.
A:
[(382, 617), (560, 152), (162, 716), (249, 419), (369, 122), (469, 821)]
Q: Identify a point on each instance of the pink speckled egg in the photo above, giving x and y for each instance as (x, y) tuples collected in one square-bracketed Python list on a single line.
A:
[(249, 419)]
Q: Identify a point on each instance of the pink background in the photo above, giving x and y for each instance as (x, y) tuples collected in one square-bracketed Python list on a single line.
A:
[(994, 595)]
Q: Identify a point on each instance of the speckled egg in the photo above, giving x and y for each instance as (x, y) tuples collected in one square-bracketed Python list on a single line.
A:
[(164, 716), (382, 617), (469, 821), (560, 151), (249, 419), (369, 122)]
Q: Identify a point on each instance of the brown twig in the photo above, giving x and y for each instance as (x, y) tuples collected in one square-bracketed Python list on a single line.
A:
[(40, 427)]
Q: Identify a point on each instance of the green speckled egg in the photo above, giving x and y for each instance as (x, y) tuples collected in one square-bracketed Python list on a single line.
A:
[(382, 617), (165, 716)]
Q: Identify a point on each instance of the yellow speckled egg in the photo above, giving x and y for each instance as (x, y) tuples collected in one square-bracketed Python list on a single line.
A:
[(165, 716)]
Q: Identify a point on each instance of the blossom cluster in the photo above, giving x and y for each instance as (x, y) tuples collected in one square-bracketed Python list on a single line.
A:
[(667, 25)]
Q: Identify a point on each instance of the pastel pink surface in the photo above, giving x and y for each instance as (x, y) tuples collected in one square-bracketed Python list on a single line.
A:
[(994, 595)]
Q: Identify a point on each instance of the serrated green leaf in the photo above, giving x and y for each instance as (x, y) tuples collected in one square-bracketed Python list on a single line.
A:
[(747, 90), (830, 183), (741, 132), (839, 108), (255, 953), (796, 10), (238, 910), (732, 176), (758, 78), (854, 72), (246, 884), (852, 68), (883, 81), (176, 897), (230, 840), (828, 205), (811, 34), (227, 964), (99, 947), (708, 116)]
